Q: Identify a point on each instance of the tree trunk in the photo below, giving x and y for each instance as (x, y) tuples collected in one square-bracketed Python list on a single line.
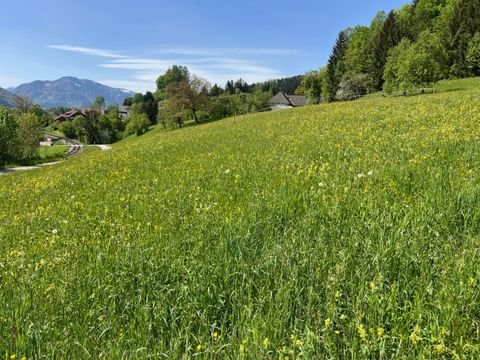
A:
[(195, 115)]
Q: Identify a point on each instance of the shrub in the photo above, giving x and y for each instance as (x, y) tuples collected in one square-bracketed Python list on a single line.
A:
[(8, 128), (138, 124), (352, 87), (68, 129), (473, 55)]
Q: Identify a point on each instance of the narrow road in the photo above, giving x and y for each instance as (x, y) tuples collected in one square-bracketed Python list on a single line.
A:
[(74, 148), (25, 168)]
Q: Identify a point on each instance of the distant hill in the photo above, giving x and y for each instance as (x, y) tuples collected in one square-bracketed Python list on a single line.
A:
[(70, 92), (7, 99)]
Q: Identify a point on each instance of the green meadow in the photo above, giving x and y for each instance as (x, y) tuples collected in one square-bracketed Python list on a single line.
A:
[(341, 231)]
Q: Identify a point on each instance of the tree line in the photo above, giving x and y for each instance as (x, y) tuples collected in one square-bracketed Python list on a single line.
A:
[(411, 47), (181, 97)]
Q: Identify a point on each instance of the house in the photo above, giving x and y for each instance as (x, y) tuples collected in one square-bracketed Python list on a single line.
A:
[(69, 115), (72, 114), (123, 111), (284, 101)]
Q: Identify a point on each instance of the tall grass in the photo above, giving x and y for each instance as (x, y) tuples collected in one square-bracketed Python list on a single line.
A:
[(339, 231)]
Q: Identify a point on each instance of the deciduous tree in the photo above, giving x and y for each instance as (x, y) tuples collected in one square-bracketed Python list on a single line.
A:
[(29, 133), (8, 135)]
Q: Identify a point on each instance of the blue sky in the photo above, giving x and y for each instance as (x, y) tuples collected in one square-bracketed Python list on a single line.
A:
[(128, 44)]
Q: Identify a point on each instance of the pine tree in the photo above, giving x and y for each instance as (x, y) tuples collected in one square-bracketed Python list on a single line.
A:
[(336, 65), (387, 37), (216, 90), (229, 87), (463, 25)]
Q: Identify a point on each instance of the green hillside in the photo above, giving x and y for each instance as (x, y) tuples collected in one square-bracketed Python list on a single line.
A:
[(345, 230)]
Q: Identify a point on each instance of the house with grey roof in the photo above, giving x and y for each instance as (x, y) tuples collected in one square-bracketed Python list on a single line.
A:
[(284, 101), (123, 111)]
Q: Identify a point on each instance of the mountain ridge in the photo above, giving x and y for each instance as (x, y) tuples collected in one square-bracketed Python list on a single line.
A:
[(7, 99), (69, 91)]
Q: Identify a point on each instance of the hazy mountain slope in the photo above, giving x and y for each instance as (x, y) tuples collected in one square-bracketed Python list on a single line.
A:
[(70, 92), (7, 99)]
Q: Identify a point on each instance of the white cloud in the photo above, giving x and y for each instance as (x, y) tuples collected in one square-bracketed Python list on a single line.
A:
[(132, 85), (217, 65), (88, 51), (230, 51)]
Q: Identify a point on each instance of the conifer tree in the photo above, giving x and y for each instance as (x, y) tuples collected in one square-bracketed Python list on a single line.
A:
[(463, 25), (387, 37), (336, 65)]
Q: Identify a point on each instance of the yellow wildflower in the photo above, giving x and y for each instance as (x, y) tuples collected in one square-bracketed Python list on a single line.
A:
[(414, 336), (362, 332), (266, 342), (439, 349)]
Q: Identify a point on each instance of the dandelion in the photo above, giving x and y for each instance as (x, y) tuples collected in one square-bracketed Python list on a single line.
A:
[(414, 337), (380, 332), (362, 332), (327, 322), (439, 349), (266, 342), (200, 347), (215, 335), (337, 332), (13, 357)]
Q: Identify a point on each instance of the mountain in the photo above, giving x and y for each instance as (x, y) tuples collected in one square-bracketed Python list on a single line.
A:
[(70, 92), (7, 99)]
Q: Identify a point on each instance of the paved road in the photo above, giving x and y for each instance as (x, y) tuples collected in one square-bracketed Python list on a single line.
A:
[(75, 148), (25, 168)]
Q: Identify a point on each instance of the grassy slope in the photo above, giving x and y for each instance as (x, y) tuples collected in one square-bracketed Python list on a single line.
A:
[(262, 236), (45, 155)]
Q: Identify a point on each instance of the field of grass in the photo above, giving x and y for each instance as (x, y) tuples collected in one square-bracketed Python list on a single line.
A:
[(442, 86), (343, 231), (49, 152), (45, 154)]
